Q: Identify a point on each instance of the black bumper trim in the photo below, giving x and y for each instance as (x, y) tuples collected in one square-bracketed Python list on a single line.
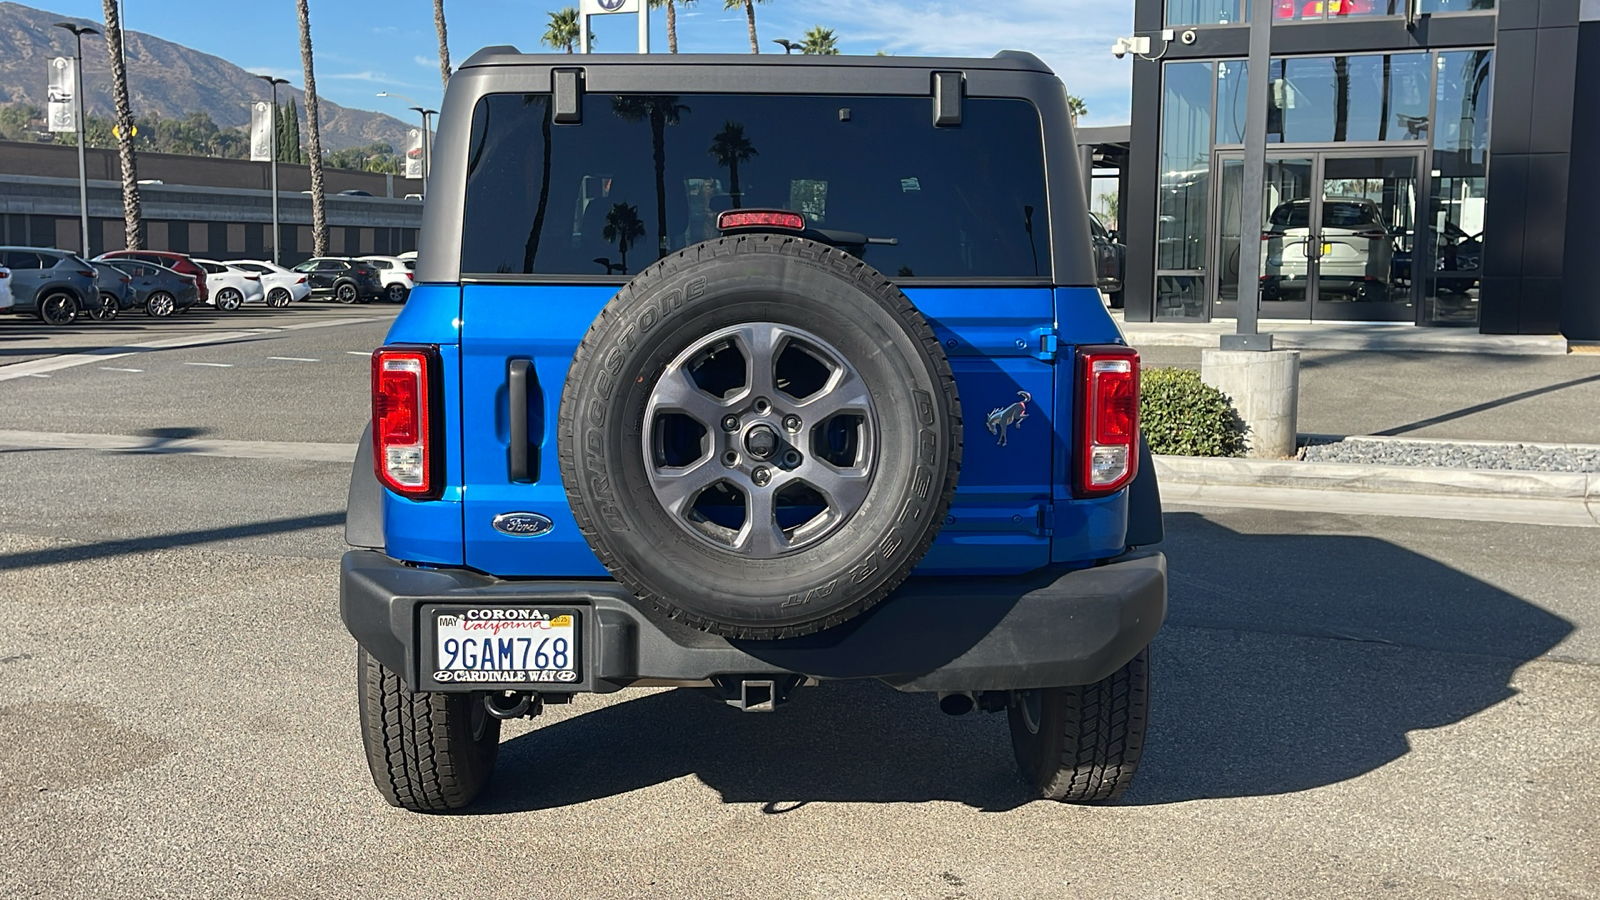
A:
[(1047, 628)]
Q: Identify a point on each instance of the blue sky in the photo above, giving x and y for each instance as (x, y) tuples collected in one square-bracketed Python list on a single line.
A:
[(364, 47)]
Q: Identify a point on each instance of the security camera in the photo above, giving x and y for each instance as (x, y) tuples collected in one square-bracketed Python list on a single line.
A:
[(1120, 48), (1189, 37)]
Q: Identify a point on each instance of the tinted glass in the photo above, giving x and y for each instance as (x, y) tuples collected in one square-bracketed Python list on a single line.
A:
[(1205, 12), (20, 260), (1333, 98), (643, 176), (1185, 166)]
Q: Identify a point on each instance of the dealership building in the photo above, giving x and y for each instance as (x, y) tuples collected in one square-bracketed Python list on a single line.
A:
[(1435, 162)]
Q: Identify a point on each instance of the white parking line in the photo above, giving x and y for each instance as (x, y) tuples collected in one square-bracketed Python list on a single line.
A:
[(115, 369), (359, 352), (37, 375), (294, 359), (212, 365)]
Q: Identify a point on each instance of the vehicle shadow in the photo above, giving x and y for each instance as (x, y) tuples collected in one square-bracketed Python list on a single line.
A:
[(1290, 661)]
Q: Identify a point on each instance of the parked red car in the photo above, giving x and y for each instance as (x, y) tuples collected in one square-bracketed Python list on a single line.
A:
[(177, 262)]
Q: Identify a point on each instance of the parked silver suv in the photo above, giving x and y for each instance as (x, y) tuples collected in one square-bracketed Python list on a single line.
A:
[(55, 285)]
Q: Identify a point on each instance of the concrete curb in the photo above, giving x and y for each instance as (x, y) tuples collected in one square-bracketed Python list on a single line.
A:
[(1308, 438), (1540, 498), (1288, 334)]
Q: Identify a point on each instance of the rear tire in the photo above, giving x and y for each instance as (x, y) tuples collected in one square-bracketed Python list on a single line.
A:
[(1082, 744), (396, 293), (107, 310), (278, 299), (427, 752), (229, 300), (160, 305), (346, 293), (58, 309)]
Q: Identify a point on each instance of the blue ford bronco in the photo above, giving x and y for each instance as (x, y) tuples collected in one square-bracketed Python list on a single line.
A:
[(739, 374)]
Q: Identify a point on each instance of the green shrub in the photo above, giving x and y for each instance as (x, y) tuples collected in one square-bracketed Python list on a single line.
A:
[(1183, 416)]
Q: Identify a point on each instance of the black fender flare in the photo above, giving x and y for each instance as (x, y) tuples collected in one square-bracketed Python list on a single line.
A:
[(363, 520), (1144, 503)]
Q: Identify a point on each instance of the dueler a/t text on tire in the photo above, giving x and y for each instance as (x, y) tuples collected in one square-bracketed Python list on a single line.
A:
[(760, 435)]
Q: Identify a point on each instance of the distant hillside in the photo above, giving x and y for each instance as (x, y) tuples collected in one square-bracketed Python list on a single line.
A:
[(163, 77)]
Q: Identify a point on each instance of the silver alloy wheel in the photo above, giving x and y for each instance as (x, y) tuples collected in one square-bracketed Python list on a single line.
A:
[(279, 298), (161, 304), (397, 293), (794, 467), (229, 300), (346, 293)]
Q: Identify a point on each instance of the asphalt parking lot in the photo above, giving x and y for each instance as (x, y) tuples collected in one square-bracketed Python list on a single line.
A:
[(1345, 706)]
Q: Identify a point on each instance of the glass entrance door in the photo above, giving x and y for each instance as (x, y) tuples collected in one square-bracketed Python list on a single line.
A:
[(1336, 238)]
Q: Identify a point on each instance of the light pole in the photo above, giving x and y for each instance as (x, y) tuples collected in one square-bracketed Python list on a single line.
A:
[(272, 119), (426, 134), (78, 31)]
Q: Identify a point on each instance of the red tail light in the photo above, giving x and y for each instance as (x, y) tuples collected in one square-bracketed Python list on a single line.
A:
[(302, 280), (410, 277), (8, 275), (1107, 455), (404, 454), (753, 218)]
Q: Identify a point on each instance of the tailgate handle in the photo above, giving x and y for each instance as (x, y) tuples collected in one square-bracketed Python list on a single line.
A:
[(517, 387)]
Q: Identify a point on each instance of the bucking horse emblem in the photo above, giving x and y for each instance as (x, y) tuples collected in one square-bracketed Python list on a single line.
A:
[(1004, 416)]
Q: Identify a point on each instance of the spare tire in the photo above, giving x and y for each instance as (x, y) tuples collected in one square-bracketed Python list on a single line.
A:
[(760, 436)]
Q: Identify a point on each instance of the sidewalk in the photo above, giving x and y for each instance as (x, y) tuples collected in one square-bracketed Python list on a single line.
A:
[(1474, 395), (1297, 334)]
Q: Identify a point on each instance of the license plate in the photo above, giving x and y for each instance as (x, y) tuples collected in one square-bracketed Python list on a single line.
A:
[(511, 646)]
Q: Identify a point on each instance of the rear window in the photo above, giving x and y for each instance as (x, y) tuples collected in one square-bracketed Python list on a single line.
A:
[(1335, 214), (643, 176)]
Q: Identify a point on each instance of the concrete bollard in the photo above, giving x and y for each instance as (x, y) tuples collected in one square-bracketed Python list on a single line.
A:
[(1265, 388)]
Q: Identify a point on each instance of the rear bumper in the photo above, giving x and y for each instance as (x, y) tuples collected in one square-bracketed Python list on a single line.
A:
[(1049, 628)]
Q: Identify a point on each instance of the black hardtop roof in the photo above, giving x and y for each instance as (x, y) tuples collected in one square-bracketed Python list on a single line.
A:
[(1005, 60)]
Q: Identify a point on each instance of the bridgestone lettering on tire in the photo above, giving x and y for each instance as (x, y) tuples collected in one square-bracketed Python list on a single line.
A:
[(426, 752), (760, 435), (1082, 744)]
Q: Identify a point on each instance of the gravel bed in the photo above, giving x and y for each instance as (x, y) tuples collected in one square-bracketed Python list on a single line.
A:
[(1518, 457)]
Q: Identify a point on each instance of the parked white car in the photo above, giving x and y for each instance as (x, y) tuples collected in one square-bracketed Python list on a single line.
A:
[(283, 286), (396, 275), (5, 288), (231, 287)]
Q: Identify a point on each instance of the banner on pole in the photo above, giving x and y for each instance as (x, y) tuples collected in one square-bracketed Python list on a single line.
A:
[(63, 81), (414, 153), (261, 132), (606, 7)]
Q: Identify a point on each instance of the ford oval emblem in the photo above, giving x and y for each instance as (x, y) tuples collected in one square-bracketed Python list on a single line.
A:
[(522, 524)]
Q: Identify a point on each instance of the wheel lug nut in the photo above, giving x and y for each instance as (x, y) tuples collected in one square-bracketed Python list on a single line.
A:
[(762, 406), (762, 476), (791, 458), (791, 423), (730, 423)]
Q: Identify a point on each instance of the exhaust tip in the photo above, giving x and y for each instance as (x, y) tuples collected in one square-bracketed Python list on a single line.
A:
[(955, 704)]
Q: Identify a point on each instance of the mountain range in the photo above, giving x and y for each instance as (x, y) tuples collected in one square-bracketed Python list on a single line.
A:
[(165, 78)]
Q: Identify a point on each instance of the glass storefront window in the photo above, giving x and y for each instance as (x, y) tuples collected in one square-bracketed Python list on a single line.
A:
[(1206, 12), (1185, 166), (1448, 6), (1460, 186), (1230, 12), (1346, 98)]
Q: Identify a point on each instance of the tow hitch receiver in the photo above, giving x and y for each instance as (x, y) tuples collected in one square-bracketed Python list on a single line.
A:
[(755, 694)]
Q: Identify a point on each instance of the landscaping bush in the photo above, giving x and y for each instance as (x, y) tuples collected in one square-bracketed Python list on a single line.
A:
[(1183, 416)]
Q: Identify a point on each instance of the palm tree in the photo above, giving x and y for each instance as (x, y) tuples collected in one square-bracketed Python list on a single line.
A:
[(820, 41), (661, 111), (444, 44), (563, 30), (672, 20), (749, 7), (319, 203), (729, 148), (132, 211), (1076, 107), (624, 227), (531, 248)]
